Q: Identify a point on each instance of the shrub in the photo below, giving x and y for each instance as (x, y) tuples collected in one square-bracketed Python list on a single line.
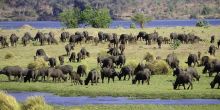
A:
[(9, 55), (132, 64), (202, 23), (148, 57), (36, 103), (158, 67), (133, 26), (38, 63), (141, 19), (175, 44), (8, 102)]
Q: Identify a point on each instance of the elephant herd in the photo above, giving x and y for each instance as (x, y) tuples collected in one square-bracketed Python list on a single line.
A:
[(108, 64)]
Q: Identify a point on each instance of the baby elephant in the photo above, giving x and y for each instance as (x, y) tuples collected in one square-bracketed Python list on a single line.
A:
[(216, 80), (143, 75)]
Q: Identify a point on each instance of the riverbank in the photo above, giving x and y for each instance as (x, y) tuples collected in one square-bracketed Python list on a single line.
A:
[(160, 85), (140, 107)]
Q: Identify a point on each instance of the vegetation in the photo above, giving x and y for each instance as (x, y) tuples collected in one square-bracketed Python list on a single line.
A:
[(97, 18), (36, 103), (141, 19), (8, 102), (160, 85), (141, 107), (159, 67), (9, 55), (119, 9), (70, 18), (38, 63), (175, 44), (202, 23)]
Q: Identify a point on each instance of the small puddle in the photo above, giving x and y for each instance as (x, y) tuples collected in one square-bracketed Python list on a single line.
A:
[(85, 100)]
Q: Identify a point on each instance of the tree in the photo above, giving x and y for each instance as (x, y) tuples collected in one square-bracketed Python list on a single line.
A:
[(70, 18), (141, 19), (97, 18)]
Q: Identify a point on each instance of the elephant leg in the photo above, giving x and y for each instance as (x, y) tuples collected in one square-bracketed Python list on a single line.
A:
[(129, 76), (142, 82), (138, 81), (218, 85), (108, 79), (124, 77), (113, 79)]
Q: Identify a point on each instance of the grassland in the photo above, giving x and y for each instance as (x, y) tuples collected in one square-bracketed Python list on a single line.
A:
[(141, 107), (160, 85)]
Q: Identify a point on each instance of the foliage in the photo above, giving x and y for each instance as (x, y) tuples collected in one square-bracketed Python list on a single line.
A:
[(8, 102), (38, 63), (70, 18), (97, 18), (9, 55), (132, 25), (175, 44), (148, 57), (158, 67), (202, 23), (141, 19), (36, 103)]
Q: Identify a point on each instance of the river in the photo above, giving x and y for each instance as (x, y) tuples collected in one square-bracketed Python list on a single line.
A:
[(114, 24)]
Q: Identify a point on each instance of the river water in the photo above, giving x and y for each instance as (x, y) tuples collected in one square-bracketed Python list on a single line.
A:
[(114, 24), (85, 100)]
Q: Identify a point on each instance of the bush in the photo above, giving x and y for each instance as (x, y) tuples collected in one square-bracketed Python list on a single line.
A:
[(36, 103), (175, 44), (38, 63), (148, 57), (8, 102), (133, 26), (158, 67), (132, 64), (9, 55), (202, 23)]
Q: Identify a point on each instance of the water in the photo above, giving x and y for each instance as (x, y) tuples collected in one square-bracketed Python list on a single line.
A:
[(114, 24), (85, 100)]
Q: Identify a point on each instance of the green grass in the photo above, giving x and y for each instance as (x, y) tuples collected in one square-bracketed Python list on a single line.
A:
[(141, 107), (160, 85)]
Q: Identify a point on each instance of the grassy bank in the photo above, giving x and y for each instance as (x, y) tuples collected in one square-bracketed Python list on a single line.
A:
[(142, 107), (160, 85)]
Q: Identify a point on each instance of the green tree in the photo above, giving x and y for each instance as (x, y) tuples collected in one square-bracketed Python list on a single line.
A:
[(97, 18), (141, 19), (70, 18)]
